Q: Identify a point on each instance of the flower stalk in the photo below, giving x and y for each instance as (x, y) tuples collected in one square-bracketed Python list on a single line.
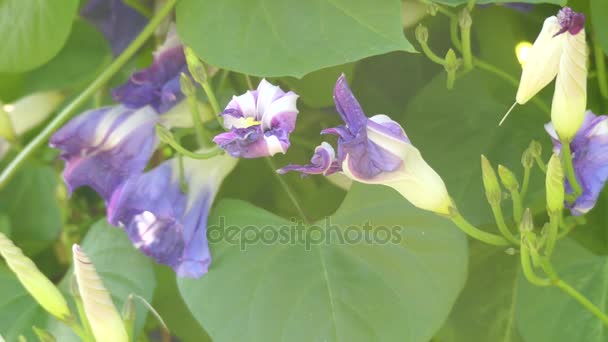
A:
[(569, 168), (474, 232)]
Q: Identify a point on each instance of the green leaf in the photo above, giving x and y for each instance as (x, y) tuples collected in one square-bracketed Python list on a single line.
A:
[(599, 10), (33, 31), (289, 37), (453, 128), (316, 88), (80, 60), (485, 310), (555, 316), (33, 190), (18, 310), (359, 291), (463, 2)]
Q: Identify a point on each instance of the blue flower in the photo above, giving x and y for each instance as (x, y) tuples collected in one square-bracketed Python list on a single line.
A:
[(165, 223), (259, 122), (590, 158), (103, 147), (119, 23), (376, 150)]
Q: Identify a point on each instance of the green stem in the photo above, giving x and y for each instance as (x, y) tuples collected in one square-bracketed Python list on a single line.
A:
[(467, 56), (600, 65), (526, 182), (517, 206), (12, 168), (431, 55), (476, 233), (249, 83), (201, 136), (552, 233), (572, 292), (454, 33), (287, 190), (502, 225), (212, 101), (541, 164), (569, 167), (527, 268)]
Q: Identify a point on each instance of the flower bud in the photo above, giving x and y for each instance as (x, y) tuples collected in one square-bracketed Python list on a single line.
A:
[(554, 183), (452, 63), (527, 222), (39, 286), (508, 178), (195, 66), (527, 159), (464, 19), (432, 9), (186, 85), (490, 182), (422, 34), (28, 112), (570, 97), (103, 317)]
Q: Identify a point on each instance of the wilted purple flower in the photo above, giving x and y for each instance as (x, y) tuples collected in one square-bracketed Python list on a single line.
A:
[(259, 121), (590, 158), (157, 85), (103, 147), (570, 21), (376, 150), (164, 222), (119, 23)]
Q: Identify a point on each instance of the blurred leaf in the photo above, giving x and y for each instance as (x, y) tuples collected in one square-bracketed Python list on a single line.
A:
[(399, 291), (485, 310), (289, 38), (453, 128), (33, 31), (30, 203), (11, 86), (599, 15), (316, 88), (80, 60), (18, 310), (463, 2), (555, 316)]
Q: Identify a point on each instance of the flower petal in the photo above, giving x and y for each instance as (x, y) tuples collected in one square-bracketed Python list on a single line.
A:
[(322, 162), (348, 106), (103, 147)]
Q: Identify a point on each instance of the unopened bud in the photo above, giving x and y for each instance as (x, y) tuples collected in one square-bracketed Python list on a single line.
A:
[(103, 317), (527, 223), (554, 183), (464, 19), (36, 283), (195, 66), (490, 182), (536, 149), (422, 34), (432, 9), (508, 178), (510, 251), (186, 85), (452, 63)]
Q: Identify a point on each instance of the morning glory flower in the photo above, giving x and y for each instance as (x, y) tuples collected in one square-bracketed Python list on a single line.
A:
[(259, 122), (590, 159), (119, 23), (157, 85), (376, 150), (559, 51), (103, 147), (164, 222)]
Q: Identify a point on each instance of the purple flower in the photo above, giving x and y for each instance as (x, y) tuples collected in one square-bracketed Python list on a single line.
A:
[(157, 85), (259, 122), (119, 23), (570, 21), (164, 222), (103, 147), (590, 158), (376, 150)]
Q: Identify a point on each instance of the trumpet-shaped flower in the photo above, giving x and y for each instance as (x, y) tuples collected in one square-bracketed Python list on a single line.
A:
[(103, 147), (559, 51), (162, 220), (590, 159), (259, 122), (119, 23), (157, 85), (376, 150)]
